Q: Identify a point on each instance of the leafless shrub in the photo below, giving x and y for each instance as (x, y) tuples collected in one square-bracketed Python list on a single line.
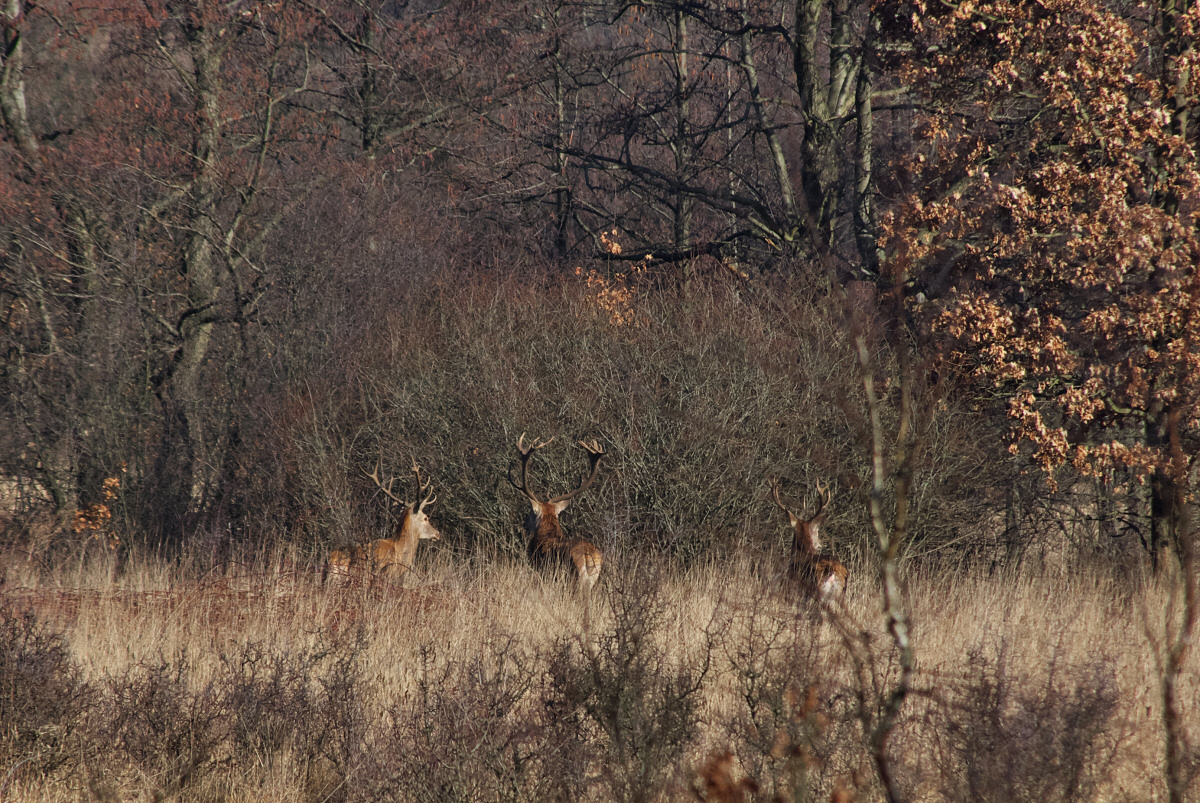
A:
[(175, 733), (169, 732), (1008, 735), (639, 704), (44, 701), (334, 742), (270, 700), (467, 732), (794, 730)]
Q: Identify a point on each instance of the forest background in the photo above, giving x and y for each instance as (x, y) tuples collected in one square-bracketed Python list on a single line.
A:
[(942, 256)]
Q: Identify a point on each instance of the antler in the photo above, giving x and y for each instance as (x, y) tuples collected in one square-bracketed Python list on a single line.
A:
[(422, 487), (595, 453), (526, 453), (374, 477), (775, 496), (825, 495), (822, 492)]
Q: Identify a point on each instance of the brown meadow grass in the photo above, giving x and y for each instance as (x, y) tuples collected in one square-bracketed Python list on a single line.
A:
[(494, 682)]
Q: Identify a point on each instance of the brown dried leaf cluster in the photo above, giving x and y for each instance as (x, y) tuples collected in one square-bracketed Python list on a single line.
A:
[(1060, 183)]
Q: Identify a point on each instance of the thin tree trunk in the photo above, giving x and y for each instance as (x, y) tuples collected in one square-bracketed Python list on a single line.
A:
[(1164, 513), (765, 125), (864, 190), (682, 146), (191, 458), (562, 194), (1179, 642)]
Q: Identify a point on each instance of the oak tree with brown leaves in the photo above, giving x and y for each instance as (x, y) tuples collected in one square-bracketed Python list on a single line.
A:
[(1052, 220)]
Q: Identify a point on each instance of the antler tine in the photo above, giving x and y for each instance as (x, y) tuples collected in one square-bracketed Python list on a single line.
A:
[(423, 488), (775, 495), (422, 484), (825, 496), (534, 445), (594, 449), (374, 477), (526, 452), (595, 453)]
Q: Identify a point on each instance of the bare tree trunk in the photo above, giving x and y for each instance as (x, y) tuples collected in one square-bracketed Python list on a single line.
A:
[(1179, 637), (1165, 506), (766, 126), (12, 81), (369, 90), (562, 193), (682, 147), (890, 538), (190, 460), (1164, 512), (864, 186), (880, 718), (71, 307), (821, 104)]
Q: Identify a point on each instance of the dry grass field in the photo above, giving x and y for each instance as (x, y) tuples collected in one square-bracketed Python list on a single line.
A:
[(497, 683)]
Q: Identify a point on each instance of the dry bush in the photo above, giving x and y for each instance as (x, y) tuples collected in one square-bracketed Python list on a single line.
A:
[(304, 704), (793, 730), (470, 730), (710, 389), (44, 700), (182, 730), (337, 735), (637, 699), (1007, 735), (170, 734)]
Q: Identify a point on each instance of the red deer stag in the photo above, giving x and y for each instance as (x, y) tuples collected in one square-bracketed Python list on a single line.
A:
[(820, 576), (390, 558), (547, 544)]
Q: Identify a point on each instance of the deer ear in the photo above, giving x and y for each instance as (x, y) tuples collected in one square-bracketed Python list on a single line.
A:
[(792, 518), (559, 507)]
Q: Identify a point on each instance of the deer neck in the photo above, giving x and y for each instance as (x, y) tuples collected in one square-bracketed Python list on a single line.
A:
[(547, 528), (404, 539), (808, 537)]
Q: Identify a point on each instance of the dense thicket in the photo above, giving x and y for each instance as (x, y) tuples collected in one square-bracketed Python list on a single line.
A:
[(247, 247)]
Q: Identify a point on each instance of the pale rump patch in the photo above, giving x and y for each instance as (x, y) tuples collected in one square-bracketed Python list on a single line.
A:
[(832, 588)]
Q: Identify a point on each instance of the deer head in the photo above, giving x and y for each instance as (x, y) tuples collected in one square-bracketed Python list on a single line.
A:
[(808, 530), (414, 521), (557, 504)]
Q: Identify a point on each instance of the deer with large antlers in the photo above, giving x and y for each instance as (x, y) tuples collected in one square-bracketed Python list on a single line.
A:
[(547, 544), (820, 576), (390, 558)]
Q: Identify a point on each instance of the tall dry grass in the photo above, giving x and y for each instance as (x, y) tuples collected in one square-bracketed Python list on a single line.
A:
[(488, 681)]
